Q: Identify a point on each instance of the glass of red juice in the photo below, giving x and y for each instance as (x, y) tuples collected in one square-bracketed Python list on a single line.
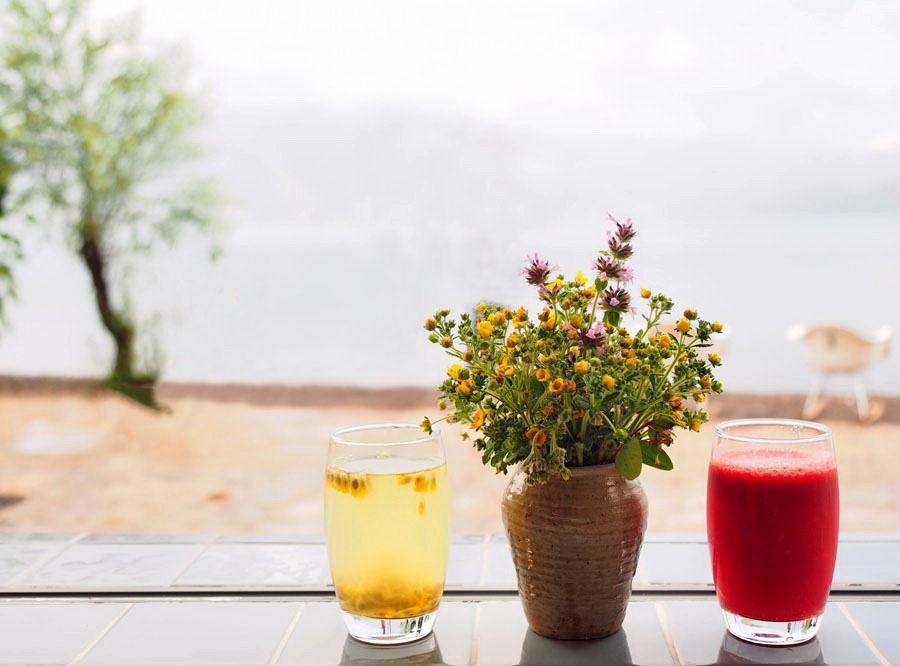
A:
[(772, 521)]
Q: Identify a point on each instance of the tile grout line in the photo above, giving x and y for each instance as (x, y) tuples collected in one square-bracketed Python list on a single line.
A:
[(92, 644), (282, 644), (473, 646), (206, 546), (667, 634), (47, 559), (862, 634)]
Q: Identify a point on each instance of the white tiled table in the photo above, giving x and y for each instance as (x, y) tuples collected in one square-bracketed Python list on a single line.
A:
[(209, 600)]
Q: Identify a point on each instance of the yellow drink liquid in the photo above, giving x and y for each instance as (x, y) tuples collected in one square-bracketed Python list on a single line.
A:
[(387, 521)]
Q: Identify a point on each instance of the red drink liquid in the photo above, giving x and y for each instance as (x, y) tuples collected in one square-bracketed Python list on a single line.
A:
[(772, 519)]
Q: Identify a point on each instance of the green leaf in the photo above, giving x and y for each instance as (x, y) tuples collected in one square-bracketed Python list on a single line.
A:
[(629, 460), (655, 456), (582, 402)]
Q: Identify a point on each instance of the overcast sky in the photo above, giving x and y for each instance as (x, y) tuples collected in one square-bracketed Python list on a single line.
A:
[(810, 72)]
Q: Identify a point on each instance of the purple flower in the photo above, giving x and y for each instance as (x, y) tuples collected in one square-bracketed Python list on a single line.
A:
[(545, 294), (594, 337), (616, 298), (625, 231), (537, 270), (608, 268), (620, 249), (626, 274)]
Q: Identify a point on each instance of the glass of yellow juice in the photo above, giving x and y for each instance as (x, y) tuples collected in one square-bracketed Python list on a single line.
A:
[(387, 505)]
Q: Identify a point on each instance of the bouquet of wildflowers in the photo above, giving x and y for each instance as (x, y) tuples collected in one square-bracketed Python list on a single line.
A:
[(573, 386)]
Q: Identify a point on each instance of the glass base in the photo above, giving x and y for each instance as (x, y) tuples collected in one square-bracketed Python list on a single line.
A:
[(390, 631), (763, 632)]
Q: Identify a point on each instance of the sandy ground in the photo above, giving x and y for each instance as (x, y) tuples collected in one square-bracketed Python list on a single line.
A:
[(95, 463)]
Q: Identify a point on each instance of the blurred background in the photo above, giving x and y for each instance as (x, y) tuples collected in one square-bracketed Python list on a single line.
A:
[(368, 163)]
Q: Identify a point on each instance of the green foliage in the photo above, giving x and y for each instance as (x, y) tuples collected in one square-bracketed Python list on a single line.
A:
[(573, 387), (98, 126), (10, 249)]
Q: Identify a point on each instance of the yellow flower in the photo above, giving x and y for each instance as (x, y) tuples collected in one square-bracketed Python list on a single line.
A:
[(520, 317), (512, 340), (446, 342), (430, 324), (557, 385), (536, 436), (699, 397), (716, 327), (542, 374), (556, 284), (645, 293), (454, 370), (580, 279), (609, 382), (695, 425), (571, 334), (505, 370), (631, 362), (576, 320), (465, 387), (678, 416), (690, 314), (715, 359), (663, 340), (582, 367), (480, 307), (675, 402), (549, 322), (478, 419), (485, 328), (468, 356), (683, 325), (570, 385), (497, 318), (589, 292)]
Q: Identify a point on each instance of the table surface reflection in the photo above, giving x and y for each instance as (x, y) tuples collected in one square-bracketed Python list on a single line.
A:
[(147, 600)]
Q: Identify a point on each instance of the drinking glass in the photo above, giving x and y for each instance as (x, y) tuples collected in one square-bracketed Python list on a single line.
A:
[(387, 525), (772, 521)]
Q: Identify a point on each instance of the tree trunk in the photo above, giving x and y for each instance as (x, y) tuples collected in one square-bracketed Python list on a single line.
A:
[(124, 376)]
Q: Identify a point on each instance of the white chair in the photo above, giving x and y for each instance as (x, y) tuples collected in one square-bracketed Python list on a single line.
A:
[(834, 349)]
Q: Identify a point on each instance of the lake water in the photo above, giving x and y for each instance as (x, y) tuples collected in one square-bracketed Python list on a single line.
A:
[(319, 304), (347, 228)]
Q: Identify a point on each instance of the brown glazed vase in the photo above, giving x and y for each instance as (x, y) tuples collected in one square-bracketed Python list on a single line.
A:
[(575, 545)]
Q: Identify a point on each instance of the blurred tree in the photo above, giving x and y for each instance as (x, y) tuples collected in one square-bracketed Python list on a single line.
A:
[(9, 245), (98, 125)]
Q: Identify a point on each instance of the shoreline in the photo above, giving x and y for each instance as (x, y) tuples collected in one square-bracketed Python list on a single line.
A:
[(728, 405)]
